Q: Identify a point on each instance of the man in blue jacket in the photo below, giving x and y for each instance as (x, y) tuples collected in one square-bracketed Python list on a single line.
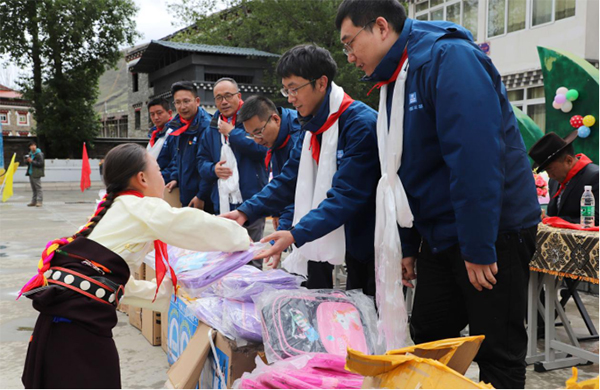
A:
[(160, 114), (307, 72), (250, 157), (183, 143), (467, 179), (278, 130)]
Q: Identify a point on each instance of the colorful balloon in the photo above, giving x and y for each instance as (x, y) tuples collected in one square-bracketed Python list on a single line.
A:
[(560, 99), (576, 121), (567, 106), (556, 106), (583, 132), (572, 95), (589, 120), (562, 91)]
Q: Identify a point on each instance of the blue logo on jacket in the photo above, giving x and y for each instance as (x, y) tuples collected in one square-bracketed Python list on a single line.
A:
[(412, 98)]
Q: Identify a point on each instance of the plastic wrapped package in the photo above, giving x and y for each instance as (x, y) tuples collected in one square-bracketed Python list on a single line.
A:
[(296, 322), (248, 281), (197, 270), (309, 371), (241, 321), (210, 311)]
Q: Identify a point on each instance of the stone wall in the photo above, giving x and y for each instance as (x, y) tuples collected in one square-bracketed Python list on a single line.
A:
[(138, 101)]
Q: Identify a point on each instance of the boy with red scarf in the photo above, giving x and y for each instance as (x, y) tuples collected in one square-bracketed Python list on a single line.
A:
[(569, 174), (160, 114), (225, 128), (184, 143)]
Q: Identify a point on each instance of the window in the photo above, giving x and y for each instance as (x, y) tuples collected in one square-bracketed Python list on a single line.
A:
[(4, 118), (506, 16), (135, 82), (531, 101), (138, 120), (463, 12), (546, 11), (23, 118)]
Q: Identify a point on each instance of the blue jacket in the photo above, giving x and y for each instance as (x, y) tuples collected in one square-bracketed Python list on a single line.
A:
[(351, 199), (250, 162), (464, 163), (184, 149), (289, 126), (164, 157)]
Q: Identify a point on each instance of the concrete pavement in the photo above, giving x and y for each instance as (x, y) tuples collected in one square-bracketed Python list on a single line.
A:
[(24, 231)]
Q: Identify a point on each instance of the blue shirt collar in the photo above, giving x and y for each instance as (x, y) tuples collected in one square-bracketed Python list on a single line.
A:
[(313, 123), (284, 128), (386, 68)]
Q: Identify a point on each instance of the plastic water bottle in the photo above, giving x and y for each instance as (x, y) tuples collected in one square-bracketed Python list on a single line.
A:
[(588, 208)]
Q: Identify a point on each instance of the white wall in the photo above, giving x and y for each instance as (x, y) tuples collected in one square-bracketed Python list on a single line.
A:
[(60, 171), (517, 51)]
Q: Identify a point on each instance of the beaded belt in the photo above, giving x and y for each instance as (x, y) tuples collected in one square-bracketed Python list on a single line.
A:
[(98, 288)]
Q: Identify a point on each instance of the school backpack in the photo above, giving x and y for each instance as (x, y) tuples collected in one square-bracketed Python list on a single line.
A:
[(295, 322)]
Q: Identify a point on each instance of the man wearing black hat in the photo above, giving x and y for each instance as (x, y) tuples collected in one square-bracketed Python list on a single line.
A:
[(568, 173)]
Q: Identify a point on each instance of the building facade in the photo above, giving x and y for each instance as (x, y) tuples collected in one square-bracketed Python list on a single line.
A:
[(15, 113), (509, 31), (153, 68)]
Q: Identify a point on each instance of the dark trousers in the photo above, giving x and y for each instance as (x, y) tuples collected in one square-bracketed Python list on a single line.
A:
[(361, 275), (445, 302)]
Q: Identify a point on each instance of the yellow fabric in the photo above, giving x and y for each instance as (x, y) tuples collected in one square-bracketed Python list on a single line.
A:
[(131, 225), (8, 180), (586, 384)]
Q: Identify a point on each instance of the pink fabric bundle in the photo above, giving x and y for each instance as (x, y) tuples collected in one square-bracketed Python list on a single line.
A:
[(311, 371)]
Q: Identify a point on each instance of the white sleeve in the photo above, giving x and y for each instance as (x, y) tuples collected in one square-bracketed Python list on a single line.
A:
[(141, 293), (192, 229)]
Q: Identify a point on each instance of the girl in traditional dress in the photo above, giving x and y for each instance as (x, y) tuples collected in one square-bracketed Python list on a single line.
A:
[(82, 278)]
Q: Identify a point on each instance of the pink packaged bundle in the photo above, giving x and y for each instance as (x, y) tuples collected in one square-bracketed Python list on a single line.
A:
[(310, 371)]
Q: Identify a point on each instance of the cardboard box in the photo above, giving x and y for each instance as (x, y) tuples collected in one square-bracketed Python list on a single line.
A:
[(151, 326), (135, 317), (140, 273), (182, 325), (185, 372), (150, 273), (233, 361), (172, 197), (164, 330), (431, 366)]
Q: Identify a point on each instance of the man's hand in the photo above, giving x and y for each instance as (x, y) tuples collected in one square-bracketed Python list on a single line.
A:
[(172, 184), (196, 203), (543, 214), (273, 262), (283, 240), (275, 223), (482, 275), (237, 216), (225, 127), (408, 271), (221, 171)]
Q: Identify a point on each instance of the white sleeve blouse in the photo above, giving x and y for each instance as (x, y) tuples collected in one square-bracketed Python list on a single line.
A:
[(131, 225)]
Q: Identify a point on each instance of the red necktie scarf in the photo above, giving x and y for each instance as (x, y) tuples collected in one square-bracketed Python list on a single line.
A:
[(394, 76), (182, 129), (315, 147), (579, 165), (270, 152), (160, 249), (155, 133)]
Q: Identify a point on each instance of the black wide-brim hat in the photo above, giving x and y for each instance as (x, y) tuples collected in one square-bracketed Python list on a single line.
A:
[(548, 148)]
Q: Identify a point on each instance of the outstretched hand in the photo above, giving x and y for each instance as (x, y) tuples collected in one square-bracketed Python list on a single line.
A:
[(236, 216), (283, 239)]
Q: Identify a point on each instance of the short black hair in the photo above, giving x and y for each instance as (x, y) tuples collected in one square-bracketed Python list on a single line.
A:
[(159, 102), (256, 105), (32, 143), (361, 12), (307, 61), (232, 81), (184, 86)]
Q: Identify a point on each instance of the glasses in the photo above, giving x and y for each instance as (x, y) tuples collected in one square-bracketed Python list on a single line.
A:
[(228, 96), (294, 91), (347, 48), (258, 133), (184, 102)]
